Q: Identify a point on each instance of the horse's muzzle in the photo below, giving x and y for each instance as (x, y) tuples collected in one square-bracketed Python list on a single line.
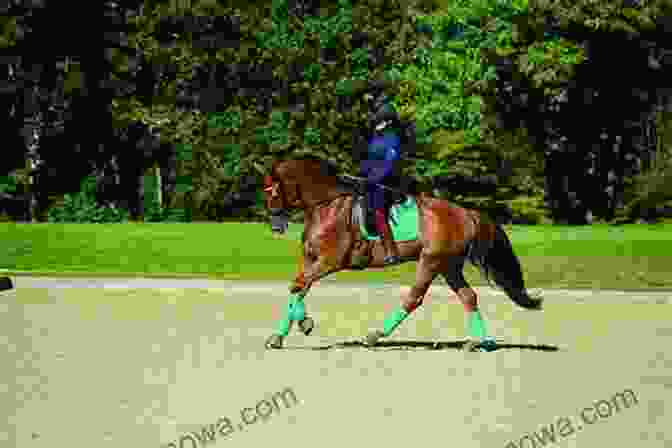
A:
[(279, 220)]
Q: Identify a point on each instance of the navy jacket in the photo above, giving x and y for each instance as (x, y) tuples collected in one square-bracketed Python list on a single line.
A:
[(370, 144)]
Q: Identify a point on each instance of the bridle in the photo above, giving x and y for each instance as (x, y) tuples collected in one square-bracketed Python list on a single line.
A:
[(273, 188)]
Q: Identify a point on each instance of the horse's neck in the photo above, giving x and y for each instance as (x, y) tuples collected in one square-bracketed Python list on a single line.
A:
[(335, 214), (312, 197)]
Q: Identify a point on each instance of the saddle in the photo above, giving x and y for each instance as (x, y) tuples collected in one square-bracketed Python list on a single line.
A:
[(360, 206)]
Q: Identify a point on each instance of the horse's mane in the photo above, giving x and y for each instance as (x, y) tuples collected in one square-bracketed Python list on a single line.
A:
[(327, 168)]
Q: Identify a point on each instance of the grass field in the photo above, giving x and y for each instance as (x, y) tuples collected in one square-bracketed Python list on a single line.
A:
[(599, 256)]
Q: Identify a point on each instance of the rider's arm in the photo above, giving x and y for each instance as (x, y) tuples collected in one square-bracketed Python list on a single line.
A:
[(392, 156)]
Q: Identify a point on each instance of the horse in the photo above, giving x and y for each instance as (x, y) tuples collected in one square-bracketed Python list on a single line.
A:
[(334, 239)]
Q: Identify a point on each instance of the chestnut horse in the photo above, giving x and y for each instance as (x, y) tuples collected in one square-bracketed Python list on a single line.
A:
[(447, 236)]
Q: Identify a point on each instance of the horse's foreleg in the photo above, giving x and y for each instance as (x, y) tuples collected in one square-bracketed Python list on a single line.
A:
[(296, 309), (317, 260), (427, 270), (475, 325), (295, 312), (324, 257), (314, 269)]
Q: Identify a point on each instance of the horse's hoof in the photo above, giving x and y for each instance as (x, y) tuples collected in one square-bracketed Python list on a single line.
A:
[(306, 325), (470, 346), (373, 338), (487, 345), (5, 283), (273, 342)]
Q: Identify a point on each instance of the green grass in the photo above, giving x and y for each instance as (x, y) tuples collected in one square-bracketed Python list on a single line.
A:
[(599, 256)]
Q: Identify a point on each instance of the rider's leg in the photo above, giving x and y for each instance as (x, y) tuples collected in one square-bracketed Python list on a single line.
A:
[(383, 226), (376, 202)]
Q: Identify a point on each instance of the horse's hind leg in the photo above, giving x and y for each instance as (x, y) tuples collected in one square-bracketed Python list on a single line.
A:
[(475, 324), (427, 269)]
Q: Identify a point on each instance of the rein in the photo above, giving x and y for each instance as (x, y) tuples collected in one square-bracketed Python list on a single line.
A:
[(364, 180), (326, 201)]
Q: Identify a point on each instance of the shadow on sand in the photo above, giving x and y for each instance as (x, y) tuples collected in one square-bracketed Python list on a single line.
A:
[(422, 345)]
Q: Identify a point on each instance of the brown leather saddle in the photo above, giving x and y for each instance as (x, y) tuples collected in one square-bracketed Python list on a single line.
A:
[(360, 206)]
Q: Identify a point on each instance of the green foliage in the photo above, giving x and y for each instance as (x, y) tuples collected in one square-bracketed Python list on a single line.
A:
[(359, 58), (312, 136), (441, 106), (153, 211), (221, 127), (184, 184), (529, 209), (432, 75), (328, 27), (228, 143), (604, 17), (461, 31), (227, 120), (167, 215), (8, 184), (276, 134), (550, 62), (184, 152), (82, 207), (312, 72), (653, 187), (231, 159)]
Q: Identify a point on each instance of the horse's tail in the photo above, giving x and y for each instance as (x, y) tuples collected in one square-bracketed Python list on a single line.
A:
[(491, 252)]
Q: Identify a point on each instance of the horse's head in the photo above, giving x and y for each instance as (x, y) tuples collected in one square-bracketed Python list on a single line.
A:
[(298, 184)]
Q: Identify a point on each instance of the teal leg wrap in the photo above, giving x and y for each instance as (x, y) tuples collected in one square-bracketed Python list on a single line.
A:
[(476, 329), (296, 311), (283, 328), (476, 325), (393, 320)]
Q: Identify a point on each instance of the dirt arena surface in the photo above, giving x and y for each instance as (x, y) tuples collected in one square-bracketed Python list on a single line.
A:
[(151, 363)]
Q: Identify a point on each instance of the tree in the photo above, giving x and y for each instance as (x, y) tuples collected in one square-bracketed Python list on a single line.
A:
[(553, 76)]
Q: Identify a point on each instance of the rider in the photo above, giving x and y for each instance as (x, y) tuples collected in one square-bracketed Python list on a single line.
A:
[(385, 139)]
